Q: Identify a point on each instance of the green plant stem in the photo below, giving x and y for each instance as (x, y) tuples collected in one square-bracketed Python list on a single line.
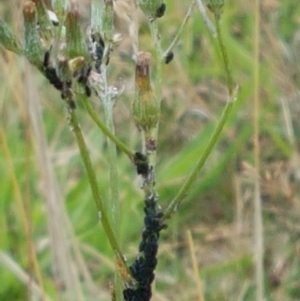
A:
[(120, 145), (159, 59), (158, 92), (230, 84), (94, 187), (113, 174), (172, 208), (209, 25), (180, 30), (113, 204)]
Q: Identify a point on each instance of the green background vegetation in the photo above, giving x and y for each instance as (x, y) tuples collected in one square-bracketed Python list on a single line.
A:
[(219, 208)]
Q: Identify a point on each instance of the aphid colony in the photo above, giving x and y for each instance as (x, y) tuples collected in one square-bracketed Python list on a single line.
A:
[(80, 75), (62, 71), (144, 265)]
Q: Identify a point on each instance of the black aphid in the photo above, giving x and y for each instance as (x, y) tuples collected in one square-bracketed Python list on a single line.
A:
[(83, 79), (50, 72), (160, 11), (98, 51), (141, 163), (63, 86), (169, 57)]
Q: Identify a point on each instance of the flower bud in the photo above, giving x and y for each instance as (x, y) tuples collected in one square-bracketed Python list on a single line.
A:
[(33, 49), (215, 6), (107, 29), (43, 19), (145, 105), (103, 19), (8, 40), (152, 8), (59, 6), (75, 42)]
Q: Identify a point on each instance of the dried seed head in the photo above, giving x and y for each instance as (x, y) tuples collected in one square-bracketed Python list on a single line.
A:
[(145, 105)]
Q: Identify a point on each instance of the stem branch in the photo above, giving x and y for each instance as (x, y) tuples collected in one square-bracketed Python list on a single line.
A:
[(94, 187), (172, 208), (120, 145)]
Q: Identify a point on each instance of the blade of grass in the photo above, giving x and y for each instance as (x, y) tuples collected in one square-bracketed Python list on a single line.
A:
[(172, 208), (10, 264), (24, 217), (258, 224), (62, 260), (195, 266)]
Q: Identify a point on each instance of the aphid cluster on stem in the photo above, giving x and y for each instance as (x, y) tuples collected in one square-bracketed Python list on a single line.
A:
[(83, 79), (50, 72), (141, 163), (75, 58), (63, 86), (97, 50), (144, 265)]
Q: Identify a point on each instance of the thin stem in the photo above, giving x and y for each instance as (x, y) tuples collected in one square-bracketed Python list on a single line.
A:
[(258, 224), (230, 84), (153, 134), (180, 30), (195, 266), (113, 204), (113, 174), (159, 58), (94, 187), (209, 25), (172, 208), (120, 145), (7, 261)]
